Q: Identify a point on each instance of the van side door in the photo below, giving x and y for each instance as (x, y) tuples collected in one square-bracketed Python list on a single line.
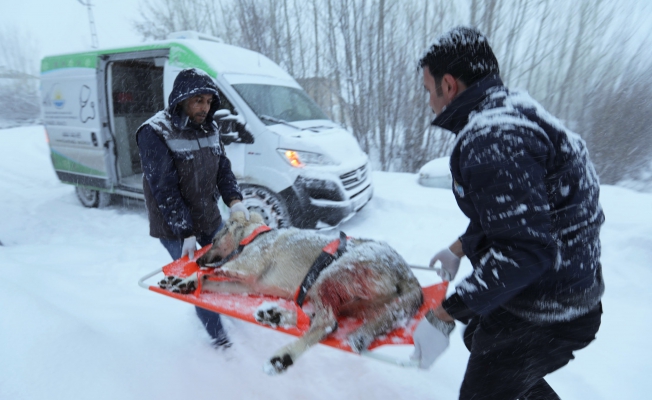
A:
[(132, 90)]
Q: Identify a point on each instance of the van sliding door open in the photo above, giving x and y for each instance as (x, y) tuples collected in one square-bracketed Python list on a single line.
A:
[(134, 94)]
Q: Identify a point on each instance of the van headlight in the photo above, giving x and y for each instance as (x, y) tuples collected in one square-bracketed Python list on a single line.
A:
[(299, 159)]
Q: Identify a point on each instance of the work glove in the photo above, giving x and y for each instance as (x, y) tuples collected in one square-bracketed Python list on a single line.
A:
[(450, 263), (239, 206), (189, 247), (430, 340)]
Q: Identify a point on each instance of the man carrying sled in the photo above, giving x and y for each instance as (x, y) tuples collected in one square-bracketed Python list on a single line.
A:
[(185, 171), (531, 193)]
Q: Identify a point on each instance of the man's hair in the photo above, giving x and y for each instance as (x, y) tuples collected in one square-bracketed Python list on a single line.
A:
[(462, 52)]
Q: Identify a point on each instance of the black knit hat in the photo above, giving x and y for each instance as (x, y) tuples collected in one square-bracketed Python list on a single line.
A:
[(462, 52)]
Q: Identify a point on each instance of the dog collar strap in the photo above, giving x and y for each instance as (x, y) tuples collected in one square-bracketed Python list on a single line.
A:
[(253, 235), (330, 253), (258, 231)]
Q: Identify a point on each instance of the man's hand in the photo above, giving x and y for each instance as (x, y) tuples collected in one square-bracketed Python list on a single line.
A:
[(430, 340), (189, 247), (238, 206), (450, 263)]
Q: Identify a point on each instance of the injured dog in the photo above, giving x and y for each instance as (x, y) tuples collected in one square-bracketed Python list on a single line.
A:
[(369, 281)]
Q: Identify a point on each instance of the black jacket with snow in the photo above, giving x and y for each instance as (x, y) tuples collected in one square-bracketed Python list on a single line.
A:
[(185, 168), (531, 193)]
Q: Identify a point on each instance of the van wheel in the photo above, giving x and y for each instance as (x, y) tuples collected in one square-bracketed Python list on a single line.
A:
[(268, 204), (92, 198)]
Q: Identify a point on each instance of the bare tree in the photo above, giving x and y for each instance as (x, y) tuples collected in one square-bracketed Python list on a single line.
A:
[(19, 99), (357, 58), (621, 143), (160, 17)]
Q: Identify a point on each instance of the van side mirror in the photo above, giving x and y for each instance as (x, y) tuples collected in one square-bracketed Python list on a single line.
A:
[(232, 128), (219, 114)]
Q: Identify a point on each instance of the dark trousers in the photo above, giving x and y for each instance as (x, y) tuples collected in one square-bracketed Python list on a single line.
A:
[(211, 320), (510, 357)]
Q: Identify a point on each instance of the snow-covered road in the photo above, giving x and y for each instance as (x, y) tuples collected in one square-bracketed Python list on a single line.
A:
[(75, 325)]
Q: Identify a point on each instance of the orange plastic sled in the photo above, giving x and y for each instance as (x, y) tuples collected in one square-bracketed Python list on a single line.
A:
[(244, 307)]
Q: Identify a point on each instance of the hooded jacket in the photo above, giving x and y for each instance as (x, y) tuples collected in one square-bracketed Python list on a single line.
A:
[(185, 168), (531, 194)]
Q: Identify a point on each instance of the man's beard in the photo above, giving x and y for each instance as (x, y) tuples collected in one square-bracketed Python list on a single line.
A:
[(198, 118)]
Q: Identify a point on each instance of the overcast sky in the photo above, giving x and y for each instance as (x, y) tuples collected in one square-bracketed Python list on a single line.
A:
[(60, 26)]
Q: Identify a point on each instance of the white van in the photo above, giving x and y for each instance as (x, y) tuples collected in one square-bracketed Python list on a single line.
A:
[(294, 165)]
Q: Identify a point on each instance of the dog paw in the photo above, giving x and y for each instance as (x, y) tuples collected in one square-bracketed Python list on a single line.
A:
[(270, 317), (277, 364), (175, 284), (169, 282), (273, 315)]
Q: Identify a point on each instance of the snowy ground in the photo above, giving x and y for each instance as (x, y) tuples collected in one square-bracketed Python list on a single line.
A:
[(75, 325)]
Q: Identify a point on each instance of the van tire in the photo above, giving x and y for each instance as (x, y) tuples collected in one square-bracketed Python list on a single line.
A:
[(268, 204), (92, 198)]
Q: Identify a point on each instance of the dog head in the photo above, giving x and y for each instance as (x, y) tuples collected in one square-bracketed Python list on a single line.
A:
[(228, 238)]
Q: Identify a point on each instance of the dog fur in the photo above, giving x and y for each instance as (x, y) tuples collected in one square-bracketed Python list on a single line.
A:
[(370, 281)]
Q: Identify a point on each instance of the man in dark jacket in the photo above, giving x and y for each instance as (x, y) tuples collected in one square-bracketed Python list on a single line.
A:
[(531, 194), (185, 171)]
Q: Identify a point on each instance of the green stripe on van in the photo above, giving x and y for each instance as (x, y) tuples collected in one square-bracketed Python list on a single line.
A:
[(63, 163), (85, 60), (180, 56)]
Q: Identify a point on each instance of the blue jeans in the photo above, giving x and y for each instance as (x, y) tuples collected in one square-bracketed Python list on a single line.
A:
[(211, 320)]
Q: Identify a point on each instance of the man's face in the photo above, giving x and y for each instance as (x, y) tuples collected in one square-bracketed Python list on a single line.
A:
[(197, 107), (437, 99)]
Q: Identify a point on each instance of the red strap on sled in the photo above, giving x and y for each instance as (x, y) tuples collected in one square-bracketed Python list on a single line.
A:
[(331, 248), (255, 233)]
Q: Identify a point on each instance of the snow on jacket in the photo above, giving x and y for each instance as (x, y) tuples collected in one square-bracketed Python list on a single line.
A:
[(185, 168), (531, 194)]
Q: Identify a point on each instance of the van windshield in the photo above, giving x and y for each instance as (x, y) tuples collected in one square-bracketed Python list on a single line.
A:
[(279, 102)]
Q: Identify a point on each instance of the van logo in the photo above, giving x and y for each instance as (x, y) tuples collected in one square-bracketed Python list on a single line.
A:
[(58, 99)]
